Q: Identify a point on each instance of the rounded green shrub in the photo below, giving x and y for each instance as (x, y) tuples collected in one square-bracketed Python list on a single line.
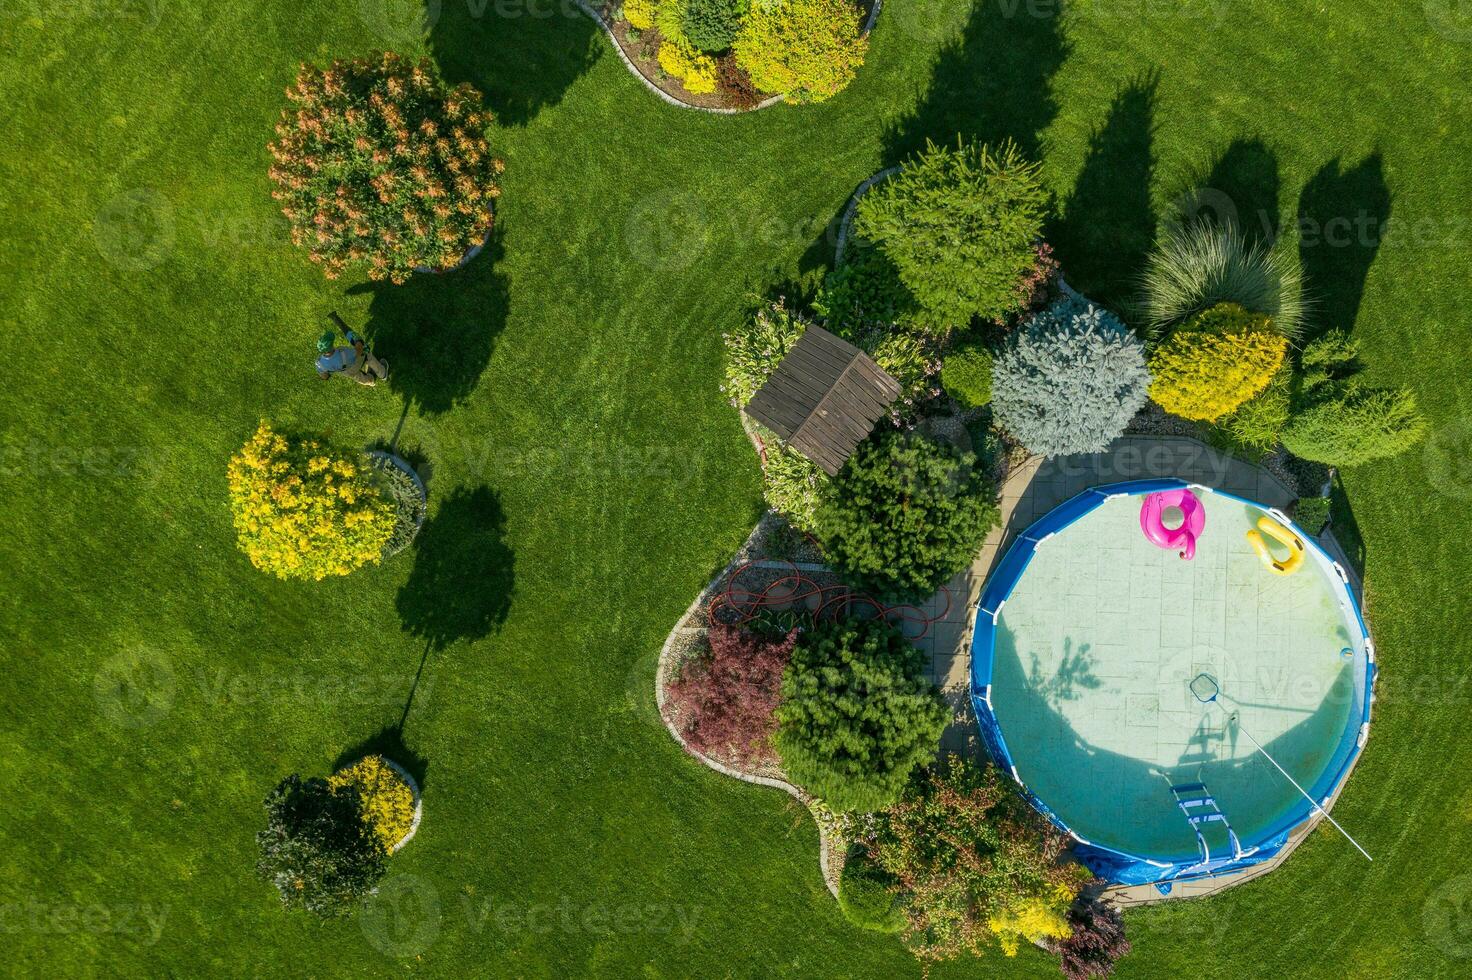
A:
[(1350, 424), (1257, 423), (905, 514), (319, 848), (1070, 380), (961, 225), (857, 714), (808, 50), (865, 292), (867, 895), (967, 375), (1201, 264), (712, 25)]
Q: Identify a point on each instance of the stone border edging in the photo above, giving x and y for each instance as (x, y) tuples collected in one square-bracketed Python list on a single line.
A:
[(678, 103), (418, 802), (662, 669), (401, 464), (853, 206)]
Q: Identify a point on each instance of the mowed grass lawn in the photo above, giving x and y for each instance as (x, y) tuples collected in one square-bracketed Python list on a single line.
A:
[(587, 475)]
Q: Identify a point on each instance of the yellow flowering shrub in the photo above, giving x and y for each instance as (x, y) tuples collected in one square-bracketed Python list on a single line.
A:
[(1215, 362), (696, 71), (808, 50), (1033, 919), (639, 13), (388, 803), (305, 510)]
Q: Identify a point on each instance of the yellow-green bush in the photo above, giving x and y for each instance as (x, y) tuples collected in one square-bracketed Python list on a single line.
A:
[(696, 71), (808, 50), (1215, 362), (639, 13), (305, 510), (1033, 919), (388, 803)]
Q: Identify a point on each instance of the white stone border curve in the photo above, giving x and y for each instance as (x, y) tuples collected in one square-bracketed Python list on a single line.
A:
[(418, 802), (847, 221), (662, 672), (599, 19)]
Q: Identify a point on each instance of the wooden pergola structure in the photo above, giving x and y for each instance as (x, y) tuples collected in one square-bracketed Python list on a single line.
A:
[(824, 398)]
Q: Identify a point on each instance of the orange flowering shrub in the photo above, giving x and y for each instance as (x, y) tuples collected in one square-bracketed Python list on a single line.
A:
[(305, 510), (379, 166)]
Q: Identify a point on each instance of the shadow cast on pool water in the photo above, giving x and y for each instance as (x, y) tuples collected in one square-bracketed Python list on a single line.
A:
[(1124, 802)]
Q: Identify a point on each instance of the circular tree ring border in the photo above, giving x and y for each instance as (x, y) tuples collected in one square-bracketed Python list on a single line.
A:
[(399, 463), (677, 102)]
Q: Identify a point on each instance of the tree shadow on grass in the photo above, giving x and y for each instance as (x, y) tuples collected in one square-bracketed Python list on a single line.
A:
[(437, 331), (1107, 224), (389, 743), (522, 56), (1241, 187), (464, 572), (991, 84), (1342, 215)]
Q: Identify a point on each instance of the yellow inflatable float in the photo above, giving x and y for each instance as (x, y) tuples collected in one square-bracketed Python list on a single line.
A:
[(1282, 535)]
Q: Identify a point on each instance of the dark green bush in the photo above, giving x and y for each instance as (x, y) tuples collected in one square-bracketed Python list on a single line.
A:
[(867, 895), (318, 849), (1311, 514), (712, 25), (905, 514), (865, 292), (1346, 424), (857, 714), (961, 226), (967, 375)]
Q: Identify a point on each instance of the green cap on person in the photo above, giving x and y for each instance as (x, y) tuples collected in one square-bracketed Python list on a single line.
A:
[(325, 342)]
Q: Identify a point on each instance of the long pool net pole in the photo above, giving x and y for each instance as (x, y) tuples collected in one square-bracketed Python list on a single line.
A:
[(1313, 802), (1205, 687)]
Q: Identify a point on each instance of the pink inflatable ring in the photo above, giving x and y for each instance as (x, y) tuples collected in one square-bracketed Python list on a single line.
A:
[(1183, 537)]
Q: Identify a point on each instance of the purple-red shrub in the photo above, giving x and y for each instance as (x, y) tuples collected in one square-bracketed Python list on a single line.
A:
[(723, 702), (1097, 941)]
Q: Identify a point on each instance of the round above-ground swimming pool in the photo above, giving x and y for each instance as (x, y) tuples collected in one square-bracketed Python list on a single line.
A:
[(1123, 686)]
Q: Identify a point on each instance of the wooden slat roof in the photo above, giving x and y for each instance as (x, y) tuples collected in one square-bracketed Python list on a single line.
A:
[(824, 398)]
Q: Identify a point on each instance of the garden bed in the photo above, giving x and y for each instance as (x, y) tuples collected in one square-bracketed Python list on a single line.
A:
[(639, 52)]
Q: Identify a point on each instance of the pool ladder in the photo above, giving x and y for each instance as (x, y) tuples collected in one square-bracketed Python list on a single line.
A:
[(1201, 809)]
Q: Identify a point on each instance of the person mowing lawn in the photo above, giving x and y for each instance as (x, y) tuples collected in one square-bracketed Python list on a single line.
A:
[(354, 362)]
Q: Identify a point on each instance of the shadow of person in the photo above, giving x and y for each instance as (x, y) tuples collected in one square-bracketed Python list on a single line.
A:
[(389, 743), (1342, 215), (991, 84), (437, 331), (464, 572), (1107, 224), (522, 56)]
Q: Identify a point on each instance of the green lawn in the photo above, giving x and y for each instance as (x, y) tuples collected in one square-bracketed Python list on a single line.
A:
[(587, 477)]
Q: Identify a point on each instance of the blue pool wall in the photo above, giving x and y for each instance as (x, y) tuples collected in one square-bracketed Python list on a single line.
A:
[(1116, 866)]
